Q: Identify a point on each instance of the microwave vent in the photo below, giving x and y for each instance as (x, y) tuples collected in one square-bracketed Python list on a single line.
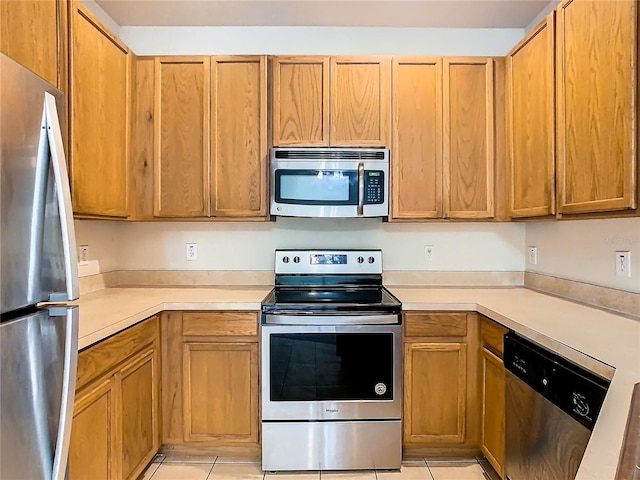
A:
[(326, 154)]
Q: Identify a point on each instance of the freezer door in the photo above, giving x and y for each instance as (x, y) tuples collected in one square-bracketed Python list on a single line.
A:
[(38, 360), (37, 242)]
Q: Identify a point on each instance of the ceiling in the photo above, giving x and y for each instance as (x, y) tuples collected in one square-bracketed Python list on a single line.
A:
[(364, 13)]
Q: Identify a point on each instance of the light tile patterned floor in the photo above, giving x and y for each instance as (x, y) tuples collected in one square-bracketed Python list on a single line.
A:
[(227, 468)]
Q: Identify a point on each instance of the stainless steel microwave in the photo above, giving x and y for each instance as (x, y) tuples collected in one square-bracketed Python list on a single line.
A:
[(330, 182)]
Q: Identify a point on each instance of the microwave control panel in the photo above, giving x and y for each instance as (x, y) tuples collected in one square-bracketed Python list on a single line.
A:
[(373, 187)]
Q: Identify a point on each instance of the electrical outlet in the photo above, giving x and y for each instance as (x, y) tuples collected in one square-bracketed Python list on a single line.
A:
[(623, 264), (83, 255), (192, 252), (429, 252), (533, 255)]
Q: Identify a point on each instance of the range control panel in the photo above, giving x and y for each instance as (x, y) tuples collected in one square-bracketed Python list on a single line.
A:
[(328, 261), (373, 187)]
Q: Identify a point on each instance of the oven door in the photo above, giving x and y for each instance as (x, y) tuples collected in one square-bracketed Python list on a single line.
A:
[(331, 372)]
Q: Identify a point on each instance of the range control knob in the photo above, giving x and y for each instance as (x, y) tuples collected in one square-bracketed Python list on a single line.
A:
[(371, 259), (360, 259), (296, 259), (285, 259)]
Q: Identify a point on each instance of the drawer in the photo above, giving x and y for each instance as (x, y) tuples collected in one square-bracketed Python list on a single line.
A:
[(236, 324), (492, 335), (435, 324)]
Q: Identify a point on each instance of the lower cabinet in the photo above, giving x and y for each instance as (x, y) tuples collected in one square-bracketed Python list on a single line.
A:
[(210, 381), (115, 431), (440, 382), (493, 400)]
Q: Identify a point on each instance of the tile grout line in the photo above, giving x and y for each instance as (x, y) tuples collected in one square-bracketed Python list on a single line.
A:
[(428, 468), (211, 469)]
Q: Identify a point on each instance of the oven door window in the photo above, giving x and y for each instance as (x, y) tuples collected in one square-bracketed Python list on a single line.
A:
[(329, 366), (316, 187)]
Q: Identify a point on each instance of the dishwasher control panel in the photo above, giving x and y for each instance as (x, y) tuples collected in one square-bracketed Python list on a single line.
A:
[(577, 391)]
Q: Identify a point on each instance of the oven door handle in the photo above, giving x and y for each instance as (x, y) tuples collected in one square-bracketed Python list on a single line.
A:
[(360, 189), (331, 320)]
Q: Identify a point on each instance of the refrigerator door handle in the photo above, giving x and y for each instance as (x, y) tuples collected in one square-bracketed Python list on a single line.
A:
[(61, 178), (63, 437)]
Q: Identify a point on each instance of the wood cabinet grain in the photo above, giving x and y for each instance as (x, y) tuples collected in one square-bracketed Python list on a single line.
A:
[(360, 101), (493, 410), (33, 33), (530, 123), (435, 392), (416, 124), (115, 430), (468, 137), (181, 131), (300, 101), (100, 116), (239, 136), (597, 65)]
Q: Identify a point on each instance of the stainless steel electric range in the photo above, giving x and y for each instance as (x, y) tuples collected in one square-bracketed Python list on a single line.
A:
[(331, 364)]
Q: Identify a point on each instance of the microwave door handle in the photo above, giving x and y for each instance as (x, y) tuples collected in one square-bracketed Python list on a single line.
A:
[(360, 189)]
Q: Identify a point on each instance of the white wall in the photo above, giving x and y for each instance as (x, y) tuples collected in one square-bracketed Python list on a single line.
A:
[(584, 250), (320, 40), (104, 241), (250, 246)]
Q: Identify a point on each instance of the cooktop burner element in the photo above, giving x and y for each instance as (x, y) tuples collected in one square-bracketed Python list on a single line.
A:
[(326, 281)]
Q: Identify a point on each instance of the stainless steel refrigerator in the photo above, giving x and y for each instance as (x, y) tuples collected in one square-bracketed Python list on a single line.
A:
[(38, 340)]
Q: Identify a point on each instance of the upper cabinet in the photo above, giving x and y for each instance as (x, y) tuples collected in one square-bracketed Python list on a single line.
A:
[(337, 101), (468, 137), (209, 137), (33, 33), (443, 138), (530, 123), (238, 136), (300, 106), (181, 136), (597, 48), (99, 108), (417, 138)]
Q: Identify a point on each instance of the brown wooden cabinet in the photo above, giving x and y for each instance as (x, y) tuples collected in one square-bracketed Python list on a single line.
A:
[(416, 124), (181, 136), (440, 382), (597, 87), (33, 33), (300, 101), (115, 431), (210, 380), (530, 123), (493, 394), (468, 137), (239, 136), (337, 101), (100, 82), (210, 137)]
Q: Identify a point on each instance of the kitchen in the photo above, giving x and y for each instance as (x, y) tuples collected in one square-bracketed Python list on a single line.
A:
[(574, 259)]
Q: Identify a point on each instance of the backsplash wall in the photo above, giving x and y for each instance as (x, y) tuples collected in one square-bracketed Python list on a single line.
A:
[(250, 246), (584, 250)]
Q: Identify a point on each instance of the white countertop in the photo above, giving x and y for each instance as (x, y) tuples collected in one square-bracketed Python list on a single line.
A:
[(606, 343)]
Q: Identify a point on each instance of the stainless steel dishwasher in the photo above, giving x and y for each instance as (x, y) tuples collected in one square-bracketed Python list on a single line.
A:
[(551, 407)]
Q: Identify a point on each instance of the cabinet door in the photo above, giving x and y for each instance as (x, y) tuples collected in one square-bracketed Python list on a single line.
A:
[(220, 392), (597, 105), (468, 137), (239, 136), (360, 101), (100, 76), (530, 123), (93, 436), (435, 392), (139, 391), (493, 410), (417, 138), (29, 33), (181, 131), (300, 106)]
